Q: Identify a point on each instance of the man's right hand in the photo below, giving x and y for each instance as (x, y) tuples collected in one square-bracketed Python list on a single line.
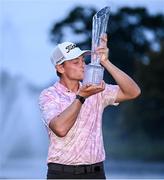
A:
[(90, 89)]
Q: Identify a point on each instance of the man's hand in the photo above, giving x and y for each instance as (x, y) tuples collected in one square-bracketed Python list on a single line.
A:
[(102, 50), (89, 89)]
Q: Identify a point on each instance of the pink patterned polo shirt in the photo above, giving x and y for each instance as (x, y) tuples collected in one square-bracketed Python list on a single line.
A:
[(83, 144)]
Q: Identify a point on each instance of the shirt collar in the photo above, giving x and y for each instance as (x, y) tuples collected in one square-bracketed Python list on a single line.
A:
[(62, 88)]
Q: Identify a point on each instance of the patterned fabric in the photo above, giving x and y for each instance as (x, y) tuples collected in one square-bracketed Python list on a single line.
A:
[(83, 144)]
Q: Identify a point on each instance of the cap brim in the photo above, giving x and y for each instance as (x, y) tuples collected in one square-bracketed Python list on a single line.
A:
[(87, 52), (76, 55)]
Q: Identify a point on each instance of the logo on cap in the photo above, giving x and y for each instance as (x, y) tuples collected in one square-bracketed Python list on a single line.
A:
[(70, 47)]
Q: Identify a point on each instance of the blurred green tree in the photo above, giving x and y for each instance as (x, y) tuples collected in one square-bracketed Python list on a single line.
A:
[(147, 113)]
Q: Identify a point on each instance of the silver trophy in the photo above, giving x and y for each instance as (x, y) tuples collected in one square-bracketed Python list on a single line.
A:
[(94, 71)]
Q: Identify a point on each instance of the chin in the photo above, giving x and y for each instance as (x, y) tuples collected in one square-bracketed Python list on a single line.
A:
[(80, 79)]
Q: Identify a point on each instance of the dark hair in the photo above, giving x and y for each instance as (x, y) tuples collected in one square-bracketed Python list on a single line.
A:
[(58, 74)]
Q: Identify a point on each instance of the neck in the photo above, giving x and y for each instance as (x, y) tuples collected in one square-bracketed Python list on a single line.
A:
[(70, 85)]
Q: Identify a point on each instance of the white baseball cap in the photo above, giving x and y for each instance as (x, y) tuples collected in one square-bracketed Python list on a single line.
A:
[(66, 51)]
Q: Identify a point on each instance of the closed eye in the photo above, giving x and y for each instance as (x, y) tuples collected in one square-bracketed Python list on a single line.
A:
[(75, 62)]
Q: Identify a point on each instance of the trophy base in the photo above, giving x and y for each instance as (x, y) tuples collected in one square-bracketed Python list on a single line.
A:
[(93, 74)]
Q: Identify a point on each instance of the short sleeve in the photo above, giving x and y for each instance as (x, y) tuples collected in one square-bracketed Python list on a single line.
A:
[(109, 95), (49, 106)]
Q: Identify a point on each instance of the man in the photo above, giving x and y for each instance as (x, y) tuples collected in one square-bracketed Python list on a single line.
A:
[(72, 113)]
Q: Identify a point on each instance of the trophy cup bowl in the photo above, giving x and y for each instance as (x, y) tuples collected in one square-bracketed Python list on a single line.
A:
[(94, 72)]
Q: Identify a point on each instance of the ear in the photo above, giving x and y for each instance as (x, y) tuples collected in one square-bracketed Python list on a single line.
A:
[(60, 68)]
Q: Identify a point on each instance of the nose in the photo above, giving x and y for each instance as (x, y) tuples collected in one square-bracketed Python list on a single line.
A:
[(82, 61)]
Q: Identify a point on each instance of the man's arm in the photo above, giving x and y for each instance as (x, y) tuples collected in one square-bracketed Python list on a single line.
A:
[(128, 88), (61, 124)]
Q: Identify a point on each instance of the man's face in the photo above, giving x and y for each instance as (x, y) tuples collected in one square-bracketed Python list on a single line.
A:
[(74, 69)]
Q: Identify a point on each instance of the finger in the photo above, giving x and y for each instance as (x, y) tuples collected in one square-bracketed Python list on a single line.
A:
[(99, 48), (104, 36), (103, 40), (91, 88), (94, 88), (103, 84), (83, 87), (99, 86), (102, 49), (88, 85), (102, 52)]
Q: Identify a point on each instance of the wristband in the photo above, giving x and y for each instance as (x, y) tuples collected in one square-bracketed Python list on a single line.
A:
[(80, 98)]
